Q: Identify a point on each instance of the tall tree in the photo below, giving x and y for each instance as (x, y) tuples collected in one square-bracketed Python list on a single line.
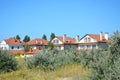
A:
[(50, 45), (26, 47), (52, 36), (26, 38), (17, 37), (44, 37)]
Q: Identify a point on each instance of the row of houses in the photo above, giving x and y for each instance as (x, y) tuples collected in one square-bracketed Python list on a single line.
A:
[(88, 41)]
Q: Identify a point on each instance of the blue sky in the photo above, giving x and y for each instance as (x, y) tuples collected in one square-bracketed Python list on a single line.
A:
[(71, 17)]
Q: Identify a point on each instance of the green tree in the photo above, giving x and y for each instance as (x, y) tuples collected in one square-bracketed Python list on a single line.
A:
[(17, 37), (52, 36), (115, 45), (44, 37), (26, 47), (26, 38), (50, 45)]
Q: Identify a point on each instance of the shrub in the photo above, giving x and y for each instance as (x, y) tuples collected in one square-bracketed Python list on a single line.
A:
[(7, 62), (50, 59)]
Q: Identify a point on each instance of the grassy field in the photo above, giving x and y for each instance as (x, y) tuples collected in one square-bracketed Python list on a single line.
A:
[(67, 72)]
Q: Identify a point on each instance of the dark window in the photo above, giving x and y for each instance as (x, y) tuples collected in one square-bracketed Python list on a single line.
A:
[(89, 39), (18, 47), (94, 46), (88, 46), (12, 47)]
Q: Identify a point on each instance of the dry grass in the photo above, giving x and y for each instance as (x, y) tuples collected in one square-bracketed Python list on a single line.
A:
[(67, 72)]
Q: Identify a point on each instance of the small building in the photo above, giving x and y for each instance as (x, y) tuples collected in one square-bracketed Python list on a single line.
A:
[(38, 44), (93, 41), (64, 42), (11, 44)]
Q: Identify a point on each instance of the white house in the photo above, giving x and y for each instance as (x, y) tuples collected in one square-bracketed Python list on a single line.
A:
[(64, 42), (11, 44), (94, 41)]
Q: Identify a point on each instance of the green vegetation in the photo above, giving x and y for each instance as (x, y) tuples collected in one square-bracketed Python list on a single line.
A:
[(44, 37), (26, 38), (7, 62), (17, 37), (50, 45), (68, 72), (52, 36), (26, 47)]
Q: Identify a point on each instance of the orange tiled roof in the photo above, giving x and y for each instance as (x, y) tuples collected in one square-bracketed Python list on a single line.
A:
[(13, 41), (97, 37), (68, 40), (31, 51), (17, 51), (38, 41)]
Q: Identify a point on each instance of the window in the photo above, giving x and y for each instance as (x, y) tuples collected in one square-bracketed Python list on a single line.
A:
[(55, 41), (88, 46), (18, 47), (12, 47), (82, 46), (89, 39), (94, 46)]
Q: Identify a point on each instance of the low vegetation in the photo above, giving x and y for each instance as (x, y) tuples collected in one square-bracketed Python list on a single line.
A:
[(7, 62)]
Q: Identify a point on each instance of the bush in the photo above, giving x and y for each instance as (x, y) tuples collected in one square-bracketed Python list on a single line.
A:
[(7, 62), (50, 59)]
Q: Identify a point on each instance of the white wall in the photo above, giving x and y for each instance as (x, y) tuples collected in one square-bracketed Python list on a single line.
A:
[(35, 47), (87, 36), (56, 39), (5, 46), (15, 47)]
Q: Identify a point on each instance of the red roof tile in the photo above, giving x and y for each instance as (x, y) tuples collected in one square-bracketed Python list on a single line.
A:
[(13, 41), (97, 37), (38, 41), (31, 51), (68, 40), (17, 51)]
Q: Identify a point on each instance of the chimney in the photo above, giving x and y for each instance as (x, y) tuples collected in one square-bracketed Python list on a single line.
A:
[(41, 42), (64, 38), (77, 38), (36, 42), (101, 38), (106, 35)]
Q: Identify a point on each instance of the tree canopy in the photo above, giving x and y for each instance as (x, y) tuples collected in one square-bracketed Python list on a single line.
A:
[(44, 37), (52, 36), (17, 37), (26, 38)]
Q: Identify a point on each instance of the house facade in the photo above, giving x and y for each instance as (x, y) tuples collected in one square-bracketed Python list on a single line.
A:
[(93, 41), (38, 44), (87, 42), (64, 42), (11, 44)]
